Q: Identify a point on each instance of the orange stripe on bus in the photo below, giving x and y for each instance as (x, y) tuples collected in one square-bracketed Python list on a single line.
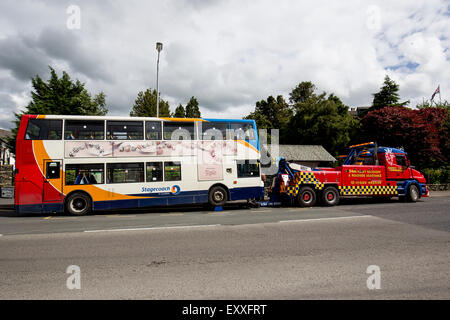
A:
[(96, 193)]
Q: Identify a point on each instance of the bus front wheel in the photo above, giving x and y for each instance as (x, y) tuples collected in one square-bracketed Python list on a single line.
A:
[(78, 204), (217, 196)]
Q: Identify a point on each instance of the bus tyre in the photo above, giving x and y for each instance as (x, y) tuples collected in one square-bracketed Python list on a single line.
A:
[(306, 197), (217, 196), (413, 193), (78, 204), (330, 196)]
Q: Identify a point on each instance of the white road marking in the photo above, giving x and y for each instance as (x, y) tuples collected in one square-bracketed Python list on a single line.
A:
[(155, 228), (325, 219)]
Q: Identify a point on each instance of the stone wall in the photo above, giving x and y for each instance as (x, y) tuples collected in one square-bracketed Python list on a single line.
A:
[(439, 187), (6, 175)]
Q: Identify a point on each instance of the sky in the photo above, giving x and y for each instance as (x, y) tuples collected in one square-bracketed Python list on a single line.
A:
[(228, 54)]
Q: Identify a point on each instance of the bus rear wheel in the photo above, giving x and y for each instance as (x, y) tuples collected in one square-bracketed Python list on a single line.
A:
[(78, 204), (306, 197), (330, 196), (217, 196)]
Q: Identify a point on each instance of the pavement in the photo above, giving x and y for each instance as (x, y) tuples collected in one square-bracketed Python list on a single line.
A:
[(239, 253)]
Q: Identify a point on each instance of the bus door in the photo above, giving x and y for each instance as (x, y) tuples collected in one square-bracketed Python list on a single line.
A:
[(52, 181)]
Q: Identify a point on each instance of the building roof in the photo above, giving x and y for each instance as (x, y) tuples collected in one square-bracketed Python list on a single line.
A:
[(5, 134), (293, 152)]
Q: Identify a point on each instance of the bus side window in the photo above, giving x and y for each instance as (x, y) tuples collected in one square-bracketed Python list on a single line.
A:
[(154, 171), (125, 130), (44, 129), (242, 131), (84, 174), (172, 171), (179, 130), (153, 130), (84, 129), (247, 168), (125, 172), (214, 130)]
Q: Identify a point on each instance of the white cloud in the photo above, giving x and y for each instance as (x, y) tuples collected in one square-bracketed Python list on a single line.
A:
[(229, 54)]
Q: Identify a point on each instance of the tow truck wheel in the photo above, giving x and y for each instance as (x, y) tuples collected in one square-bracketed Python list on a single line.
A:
[(306, 197), (330, 196), (413, 193)]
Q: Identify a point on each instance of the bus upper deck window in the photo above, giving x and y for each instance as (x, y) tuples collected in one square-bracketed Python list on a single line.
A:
[(214, 130), (125, 130), (153, 130), (179, 130), (242, 131), (44, 129), (84, 130)]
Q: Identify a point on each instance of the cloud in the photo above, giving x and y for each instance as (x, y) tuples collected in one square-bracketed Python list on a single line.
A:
[(228, 54)]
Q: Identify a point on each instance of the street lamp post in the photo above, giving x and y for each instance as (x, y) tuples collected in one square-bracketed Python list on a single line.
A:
[(159, 47)]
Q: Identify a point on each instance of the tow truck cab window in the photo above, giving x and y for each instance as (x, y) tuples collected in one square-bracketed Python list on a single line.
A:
[(401, 160)]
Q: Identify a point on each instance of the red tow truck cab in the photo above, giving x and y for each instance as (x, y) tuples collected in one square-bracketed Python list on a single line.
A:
[(368, 170)]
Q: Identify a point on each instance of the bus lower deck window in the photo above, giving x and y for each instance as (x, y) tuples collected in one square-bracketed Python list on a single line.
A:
[(125, 172), (84, 174), (154, 171), (172, 171), (247, 168)]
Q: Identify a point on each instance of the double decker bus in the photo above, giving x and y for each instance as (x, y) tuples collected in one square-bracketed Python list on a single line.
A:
[(78, 164)]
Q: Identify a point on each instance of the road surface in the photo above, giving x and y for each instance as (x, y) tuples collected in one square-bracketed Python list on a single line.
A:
[(239, 253)]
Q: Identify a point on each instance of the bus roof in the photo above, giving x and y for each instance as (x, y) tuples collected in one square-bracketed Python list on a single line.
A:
[(122, 118)]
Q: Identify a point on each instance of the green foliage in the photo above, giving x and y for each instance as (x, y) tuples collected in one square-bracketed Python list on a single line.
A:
[(192, 110), (145, 105), (179, 112), (302, 92), (437, 176), (59, 96), (387, 96), (322, 120), (272, 114)]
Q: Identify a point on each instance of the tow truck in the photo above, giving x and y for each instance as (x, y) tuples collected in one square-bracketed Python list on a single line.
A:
[(367, 170)]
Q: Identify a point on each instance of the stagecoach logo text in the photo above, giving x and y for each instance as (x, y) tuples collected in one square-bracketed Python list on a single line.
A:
[(174, 189)]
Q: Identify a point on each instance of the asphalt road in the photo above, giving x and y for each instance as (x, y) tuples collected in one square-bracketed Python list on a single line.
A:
[(239, 253)]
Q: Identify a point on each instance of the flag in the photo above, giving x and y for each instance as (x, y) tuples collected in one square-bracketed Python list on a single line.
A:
[(435, 92)]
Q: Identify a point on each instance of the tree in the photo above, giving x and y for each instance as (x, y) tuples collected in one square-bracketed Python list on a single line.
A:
[(59, 96), (422, 133), (192, 110), (272, 114), (179, 112), (387, 96), (145, 105), (322, 120), (302, 92)]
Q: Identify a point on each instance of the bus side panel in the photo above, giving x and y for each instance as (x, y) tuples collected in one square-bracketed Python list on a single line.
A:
[(245, 193)]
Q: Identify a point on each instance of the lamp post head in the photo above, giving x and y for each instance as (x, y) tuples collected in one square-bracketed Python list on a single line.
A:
[(159, 46)]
